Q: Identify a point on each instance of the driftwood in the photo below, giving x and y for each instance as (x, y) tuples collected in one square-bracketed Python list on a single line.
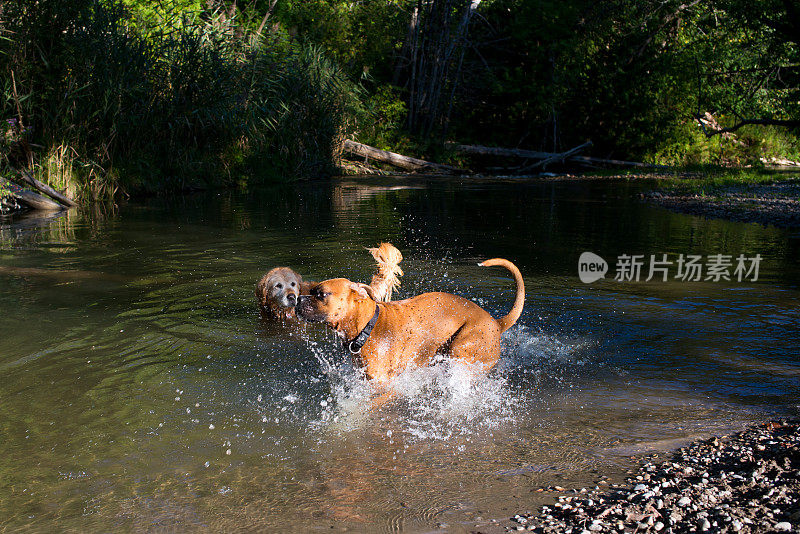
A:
[(558, 157), (26, 177), (480, 150), (398, 160), (616, 162), (415, 165), (31, 199)]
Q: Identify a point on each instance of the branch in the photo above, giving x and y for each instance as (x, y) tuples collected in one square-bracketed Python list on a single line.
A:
[(557, 157), (666, 21), (744, 122), (266, 16)]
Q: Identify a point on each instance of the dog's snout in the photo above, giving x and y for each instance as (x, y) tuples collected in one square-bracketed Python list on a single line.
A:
[(291, 297)]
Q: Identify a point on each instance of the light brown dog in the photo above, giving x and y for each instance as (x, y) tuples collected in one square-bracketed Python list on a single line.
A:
[(279, 290), (412, 330)]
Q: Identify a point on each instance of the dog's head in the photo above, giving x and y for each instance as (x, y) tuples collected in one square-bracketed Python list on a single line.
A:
[(331, 301), (279, 288)]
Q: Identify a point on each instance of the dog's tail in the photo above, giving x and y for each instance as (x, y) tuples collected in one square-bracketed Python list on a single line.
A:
[(387, 279), (516, 310)]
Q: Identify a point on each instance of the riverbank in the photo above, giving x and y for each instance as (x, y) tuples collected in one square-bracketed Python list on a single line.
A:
[(747, 482), (776, 203)]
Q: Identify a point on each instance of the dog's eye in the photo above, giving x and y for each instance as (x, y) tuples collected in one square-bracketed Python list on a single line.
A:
[(279, 286), (293, 284)]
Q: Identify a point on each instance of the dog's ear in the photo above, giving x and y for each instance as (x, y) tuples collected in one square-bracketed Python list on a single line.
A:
[(261, 291), (363, 290), (305, 286)]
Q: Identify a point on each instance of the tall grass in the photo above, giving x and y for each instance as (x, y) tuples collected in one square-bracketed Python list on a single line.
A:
[(102, 107)]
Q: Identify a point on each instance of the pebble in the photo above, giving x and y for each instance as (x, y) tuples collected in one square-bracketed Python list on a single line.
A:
[(774, 204), (716, 486)]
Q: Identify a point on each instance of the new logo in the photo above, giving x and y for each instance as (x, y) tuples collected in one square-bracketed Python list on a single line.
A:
[(591, 267)]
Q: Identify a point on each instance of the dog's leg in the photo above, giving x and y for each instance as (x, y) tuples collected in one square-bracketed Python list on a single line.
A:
[(478, 345), (383, 398)]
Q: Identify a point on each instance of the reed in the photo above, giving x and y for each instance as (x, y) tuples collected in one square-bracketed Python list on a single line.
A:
[(103, 105)]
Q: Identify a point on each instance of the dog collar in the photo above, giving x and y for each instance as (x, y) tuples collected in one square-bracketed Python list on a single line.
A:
[(361, 339)]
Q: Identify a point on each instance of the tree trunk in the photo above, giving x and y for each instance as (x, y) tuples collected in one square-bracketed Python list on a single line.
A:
[(531, 154), (266, 16), (31, 199), (46, 189), (438, 31), (398, 160)]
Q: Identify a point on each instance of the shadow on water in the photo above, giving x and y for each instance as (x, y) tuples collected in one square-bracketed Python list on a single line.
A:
[(140, 390)]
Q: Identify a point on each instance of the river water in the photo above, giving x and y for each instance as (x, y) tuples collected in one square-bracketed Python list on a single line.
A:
[(139, 389)]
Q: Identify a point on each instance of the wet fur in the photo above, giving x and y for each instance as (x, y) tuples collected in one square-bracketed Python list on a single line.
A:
[(387, 279), (415, 330), (276, 303)]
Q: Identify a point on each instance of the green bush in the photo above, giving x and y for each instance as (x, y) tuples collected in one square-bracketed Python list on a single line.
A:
[(189, 104), (686, 145), (386, 111)]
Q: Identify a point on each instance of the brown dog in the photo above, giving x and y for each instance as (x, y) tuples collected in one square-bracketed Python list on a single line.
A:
[(412, 330), (279, 290)]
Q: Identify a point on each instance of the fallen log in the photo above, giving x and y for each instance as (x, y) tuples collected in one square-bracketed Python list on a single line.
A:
[(31, 199), (558, 157), (617, 162), (398, 160), (26, 177), (480, 150)]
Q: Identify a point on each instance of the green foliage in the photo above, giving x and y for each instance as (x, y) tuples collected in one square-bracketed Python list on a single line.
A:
[(385, 112), (712, 180), (154, 94), (363, 36), (630, 75), (171, 107), (149, 15), (769, 143), (686, 145)]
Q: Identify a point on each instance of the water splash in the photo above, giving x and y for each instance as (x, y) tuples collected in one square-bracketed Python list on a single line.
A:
[(525, 346)]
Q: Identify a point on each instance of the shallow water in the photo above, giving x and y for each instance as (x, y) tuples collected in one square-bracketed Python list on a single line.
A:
[(140, 391)]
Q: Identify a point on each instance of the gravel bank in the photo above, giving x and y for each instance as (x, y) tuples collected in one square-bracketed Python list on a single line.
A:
[(748, 482), (776, 204)]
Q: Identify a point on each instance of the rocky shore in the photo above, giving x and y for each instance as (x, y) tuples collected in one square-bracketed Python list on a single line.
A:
[(777, 204), (745, 483)]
